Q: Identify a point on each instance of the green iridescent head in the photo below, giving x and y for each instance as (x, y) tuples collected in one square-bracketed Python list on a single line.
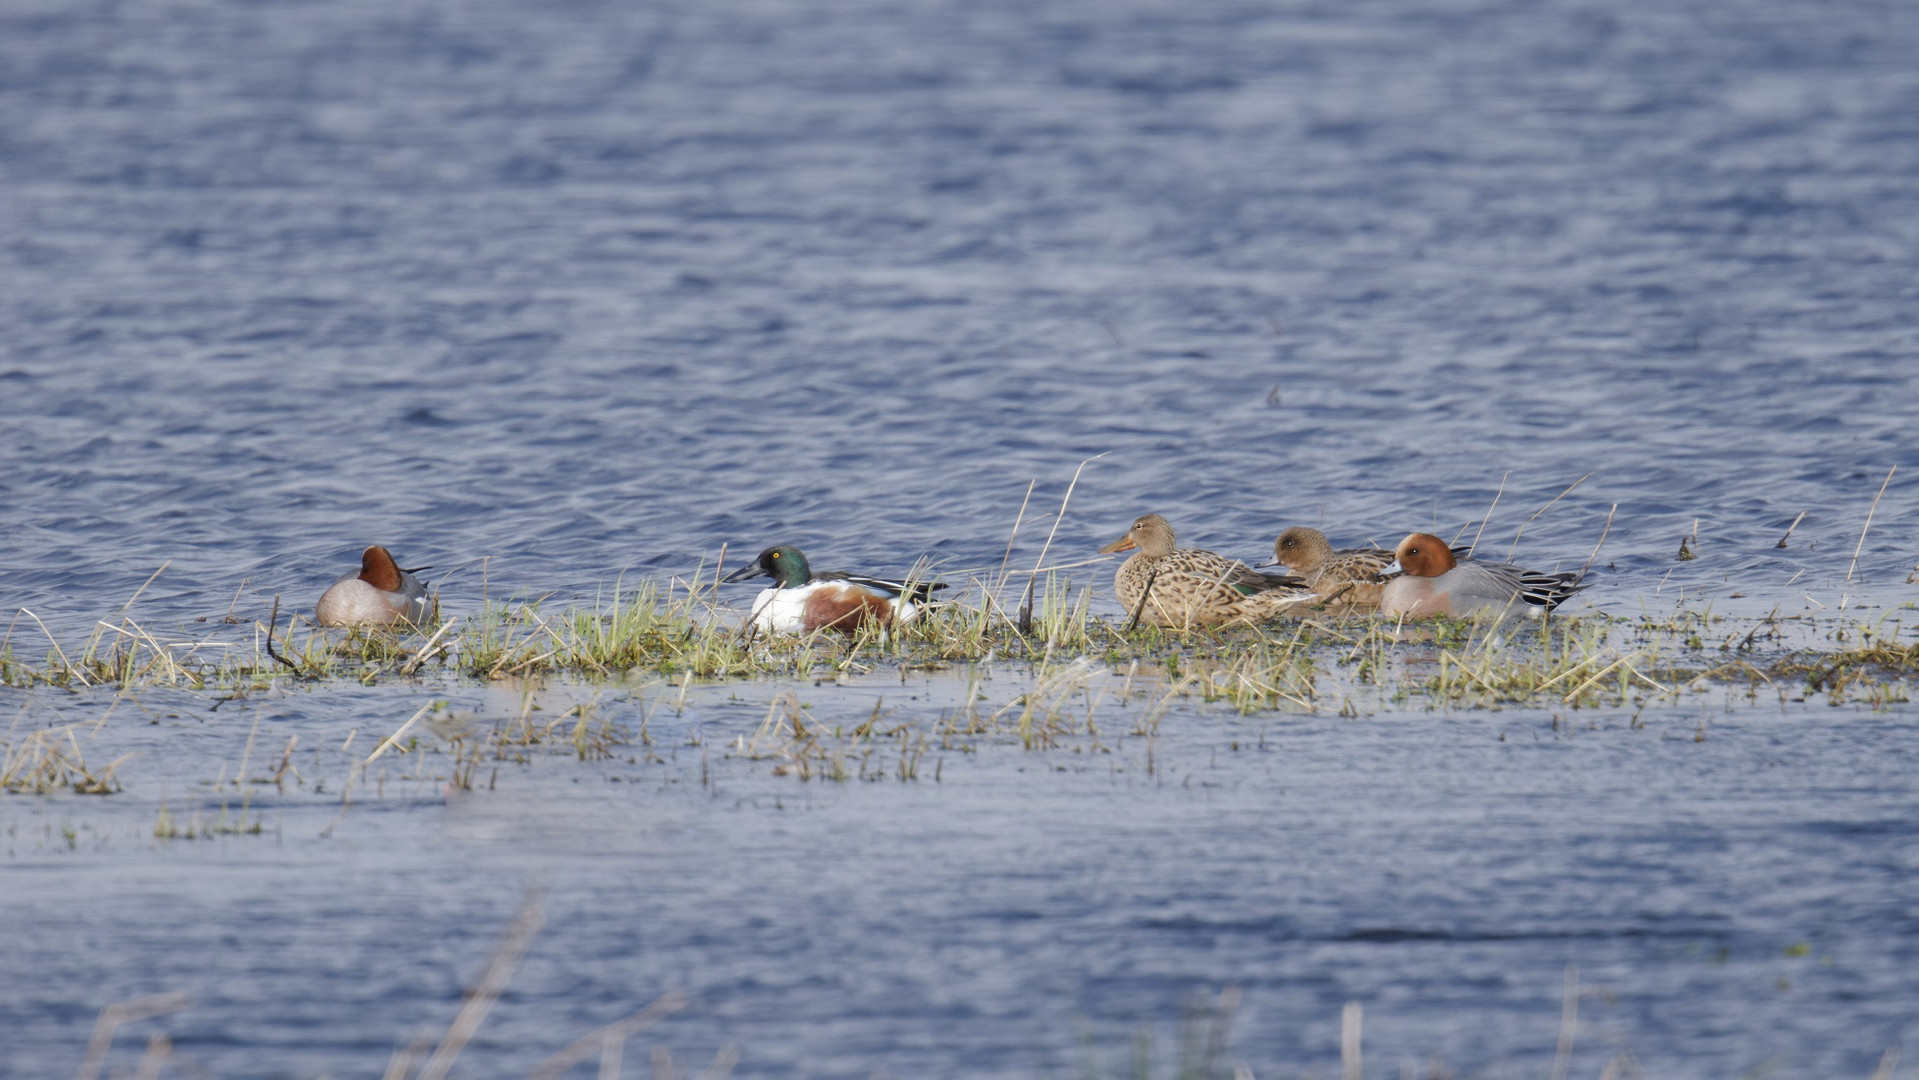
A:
[(784, 564)]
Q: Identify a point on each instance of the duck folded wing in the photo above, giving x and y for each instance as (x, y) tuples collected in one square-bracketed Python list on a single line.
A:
[(1265, 581), (1203, 568), (1505, 582), (1549, 590), (912, 590)]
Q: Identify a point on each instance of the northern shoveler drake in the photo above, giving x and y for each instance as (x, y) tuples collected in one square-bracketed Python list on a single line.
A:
[(1189, 588), (1434, 581), (1349, 580), (801, 601), (381, 594)]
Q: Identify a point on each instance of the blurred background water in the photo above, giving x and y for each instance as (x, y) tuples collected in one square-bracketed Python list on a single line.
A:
[(588, 289)]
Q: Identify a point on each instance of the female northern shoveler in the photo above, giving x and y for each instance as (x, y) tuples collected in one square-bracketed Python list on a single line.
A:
[(1434, 581), (1348, 580), (801, 601), (381, 594), (1191, 588)]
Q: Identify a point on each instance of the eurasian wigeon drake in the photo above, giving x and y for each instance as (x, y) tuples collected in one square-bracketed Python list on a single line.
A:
[(1189, 588), (1433, 581), (800, 601), (1348, 580), (381, 594)]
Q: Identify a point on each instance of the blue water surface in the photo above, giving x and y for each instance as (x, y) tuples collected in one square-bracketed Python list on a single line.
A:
[(557, 296)]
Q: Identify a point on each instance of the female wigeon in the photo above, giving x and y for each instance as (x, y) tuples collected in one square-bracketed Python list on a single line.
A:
[(381, 594), (1187, 588), (1433, 581), (800, 601), (1349, 580)]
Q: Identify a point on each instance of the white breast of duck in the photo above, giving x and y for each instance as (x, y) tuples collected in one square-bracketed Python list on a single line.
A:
[(802, 602), (837, 605)]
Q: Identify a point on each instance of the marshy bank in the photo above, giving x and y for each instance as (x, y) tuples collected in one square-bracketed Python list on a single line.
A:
[(848, 854), (687, 634)]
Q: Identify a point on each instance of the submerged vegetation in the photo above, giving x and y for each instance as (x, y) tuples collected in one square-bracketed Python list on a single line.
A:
[(46, 760)]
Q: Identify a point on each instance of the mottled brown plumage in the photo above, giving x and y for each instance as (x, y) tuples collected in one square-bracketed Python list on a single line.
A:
[(1346, 580), (1191, 588)]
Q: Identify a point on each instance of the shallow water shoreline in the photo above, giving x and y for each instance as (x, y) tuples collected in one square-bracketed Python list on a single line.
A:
[(909, 778)]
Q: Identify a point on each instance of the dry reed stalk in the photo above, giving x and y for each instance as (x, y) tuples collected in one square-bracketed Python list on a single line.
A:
[(426, 651), (1591, 659), (1549, 505), (1624, 661), (1868, 526), (1064, 501), (485, 993), (159, 1048), (1603, 533), (239, 774), (393, 739), (38, 764), (609, 1038), (1139, 608), (66, 664), (1790, 528), (1074, 565), (723, 1063), (125, 1012), (346, 789), (272, 618), (1568, 1023), (1223, 1012), (1351, 1065), (143, 588), (1000, 576), (227, 616), (400, 1065), (1489, 515)]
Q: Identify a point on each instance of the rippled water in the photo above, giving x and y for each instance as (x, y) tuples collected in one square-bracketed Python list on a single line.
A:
[(581, 288), (590, 289), (1732, 902)]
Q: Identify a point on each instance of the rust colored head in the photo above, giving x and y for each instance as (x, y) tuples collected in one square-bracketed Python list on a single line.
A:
[(378, 569), (1424, 555)]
